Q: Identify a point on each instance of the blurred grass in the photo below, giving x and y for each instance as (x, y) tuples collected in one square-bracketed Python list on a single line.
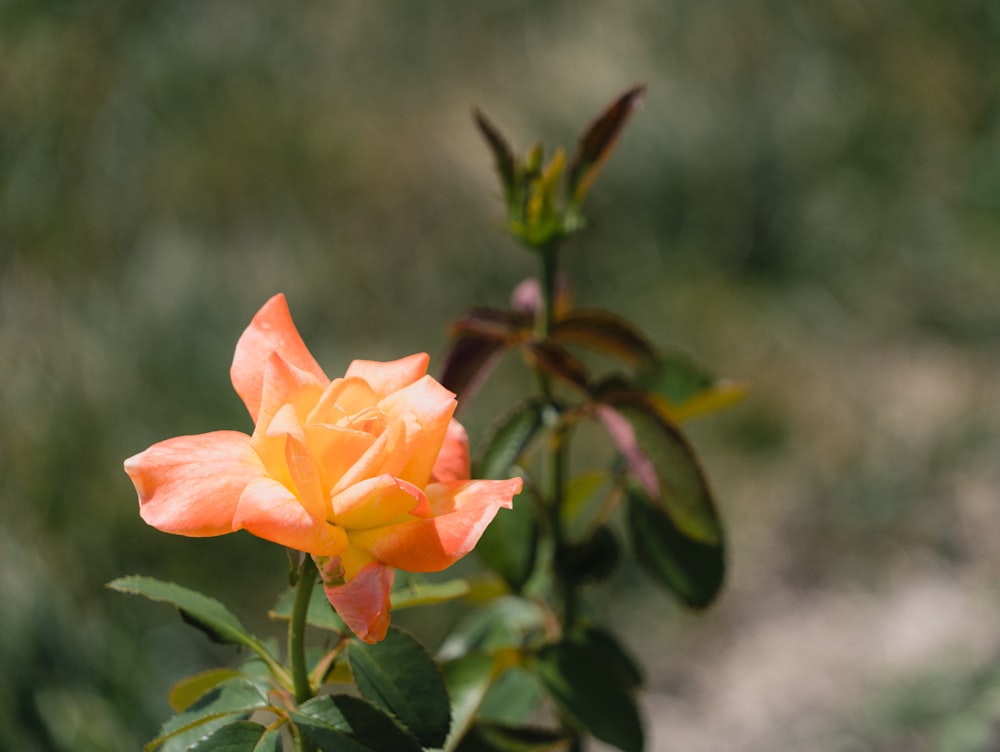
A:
[(810, 202)]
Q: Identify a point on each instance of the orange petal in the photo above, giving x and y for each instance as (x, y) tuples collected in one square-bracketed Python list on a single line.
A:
[(387, 454), (344, 402), (271, 331), (378, 501), (270, 511), (191, 485), (426, 407), (286, 384), (363, 603), (453, 460), (297, 468), (386, 378), (463, 510)]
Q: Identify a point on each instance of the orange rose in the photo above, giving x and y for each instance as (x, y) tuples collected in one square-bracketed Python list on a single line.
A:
[(367, 473)]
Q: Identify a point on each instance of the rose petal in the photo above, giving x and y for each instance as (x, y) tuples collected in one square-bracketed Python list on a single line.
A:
[(378, 501), (386, 378), (428, 406), (286, 455), (363, 603), (191, 485), (453, 460), (336, 450), (462, 511), (271, 331), (269, 510), (286, 384)]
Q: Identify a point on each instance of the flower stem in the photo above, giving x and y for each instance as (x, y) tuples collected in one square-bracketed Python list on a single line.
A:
[(297, 630)]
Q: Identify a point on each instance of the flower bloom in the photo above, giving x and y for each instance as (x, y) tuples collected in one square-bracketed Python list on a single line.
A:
[(367, 473)]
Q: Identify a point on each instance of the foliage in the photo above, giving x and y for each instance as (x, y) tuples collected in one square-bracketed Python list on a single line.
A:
[(540, 639)]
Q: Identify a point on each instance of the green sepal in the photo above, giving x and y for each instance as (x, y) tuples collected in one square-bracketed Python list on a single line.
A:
[(693, 570), (399, 675)]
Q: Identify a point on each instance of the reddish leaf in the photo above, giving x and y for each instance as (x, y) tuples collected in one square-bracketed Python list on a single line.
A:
[(662, 461), (607, 333), (494, 323), (557, 361), (503, 155), (467, 364), (598, 141)]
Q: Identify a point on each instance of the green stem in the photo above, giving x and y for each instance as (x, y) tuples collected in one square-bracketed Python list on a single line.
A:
[(555, 461), (297, 631)]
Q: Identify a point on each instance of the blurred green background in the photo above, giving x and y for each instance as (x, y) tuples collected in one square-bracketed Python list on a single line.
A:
[(809, 202)]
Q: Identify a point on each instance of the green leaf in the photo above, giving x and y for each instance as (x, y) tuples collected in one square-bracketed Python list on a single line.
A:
[(186, 691), (468, 679), (598, 141), (660, 458), (231, 701), (577, 676), (695, 571), (429, 593), (614, 657), (329, 721), (510, 436), (507, 622), (241, 736), (683, 389), (590, 560), (509, 544), (320, 614), (495, 737), (513, 697), (605, 333), (207, 614), (399, 675)]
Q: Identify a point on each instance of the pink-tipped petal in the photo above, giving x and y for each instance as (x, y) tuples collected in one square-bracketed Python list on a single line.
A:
[(363, 603), (270, 511), (271, 331), (462, 512), (386, 378), (191, 485), (453, 460)]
